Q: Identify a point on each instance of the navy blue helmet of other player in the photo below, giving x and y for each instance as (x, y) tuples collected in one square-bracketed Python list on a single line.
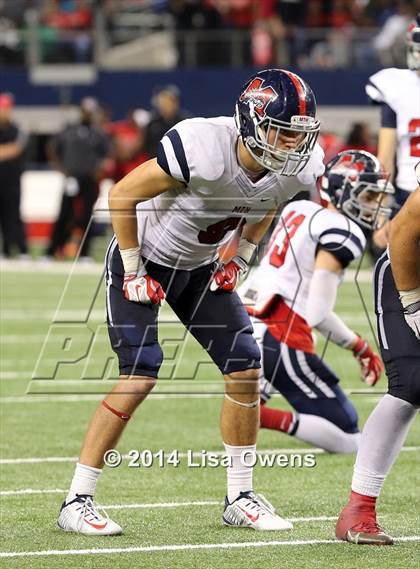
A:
[(273, 103), (358, 186), (413, 44)]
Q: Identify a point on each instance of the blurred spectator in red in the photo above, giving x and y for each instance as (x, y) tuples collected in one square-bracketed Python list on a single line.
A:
[(331, 144), (167, 113), (236, 13), (12, 147), (360, 138), (127, 137), (341, 14), (72, 22)]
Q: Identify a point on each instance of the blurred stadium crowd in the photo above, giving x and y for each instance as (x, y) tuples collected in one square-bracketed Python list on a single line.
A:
[(308, 34), (95, 149), (159, 34)]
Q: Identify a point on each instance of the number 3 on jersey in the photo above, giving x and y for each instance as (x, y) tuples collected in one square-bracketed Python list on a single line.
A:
[(414, 129), (290, 225)]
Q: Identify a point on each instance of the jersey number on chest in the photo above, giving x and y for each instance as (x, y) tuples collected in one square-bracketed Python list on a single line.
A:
[(414, 128), (215, 232), (290, 225)]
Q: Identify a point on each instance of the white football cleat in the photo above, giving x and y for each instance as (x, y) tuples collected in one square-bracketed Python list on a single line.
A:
[(253, 511), (81, 515)]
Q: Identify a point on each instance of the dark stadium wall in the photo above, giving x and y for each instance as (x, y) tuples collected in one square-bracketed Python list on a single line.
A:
[(207, 92)]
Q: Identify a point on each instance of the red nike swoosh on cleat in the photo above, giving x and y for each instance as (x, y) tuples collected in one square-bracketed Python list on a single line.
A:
[(250, 516), (96, 526)]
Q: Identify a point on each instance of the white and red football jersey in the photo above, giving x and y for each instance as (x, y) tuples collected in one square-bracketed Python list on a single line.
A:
[(400, 90), (277, 292), (185, 227)]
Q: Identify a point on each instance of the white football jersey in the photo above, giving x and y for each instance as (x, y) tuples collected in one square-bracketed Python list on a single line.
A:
[(400, 90), (185, 227), (288, 263)]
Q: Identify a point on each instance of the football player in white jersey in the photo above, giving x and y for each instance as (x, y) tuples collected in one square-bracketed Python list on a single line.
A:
[(210, 178), (293, 291), (397, 91), (397, 307)]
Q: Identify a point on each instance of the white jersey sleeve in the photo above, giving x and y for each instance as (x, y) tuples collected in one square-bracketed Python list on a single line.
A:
[(338, 235), (191, 150), (381, 88)]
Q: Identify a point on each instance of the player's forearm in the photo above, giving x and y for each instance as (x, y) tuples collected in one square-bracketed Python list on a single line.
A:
[(254, 232), (9, 151), (333, 328), (122, 207), (404, 245), (386, 149)]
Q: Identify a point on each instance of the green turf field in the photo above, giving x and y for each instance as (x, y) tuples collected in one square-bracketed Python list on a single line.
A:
[(171, 515)]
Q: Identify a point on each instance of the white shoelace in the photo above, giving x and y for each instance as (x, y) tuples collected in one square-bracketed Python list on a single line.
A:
[(89, 508)]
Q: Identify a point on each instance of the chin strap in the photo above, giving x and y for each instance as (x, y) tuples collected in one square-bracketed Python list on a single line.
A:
[(251, 405)]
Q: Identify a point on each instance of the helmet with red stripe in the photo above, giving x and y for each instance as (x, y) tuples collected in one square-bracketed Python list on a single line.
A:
[(357, 185), (413, 44), (275, 105)]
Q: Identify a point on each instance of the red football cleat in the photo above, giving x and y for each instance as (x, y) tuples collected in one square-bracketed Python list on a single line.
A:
[(357, 524)]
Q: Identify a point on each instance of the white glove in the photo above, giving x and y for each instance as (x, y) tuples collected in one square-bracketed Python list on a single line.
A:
[(410, 300), (142, 289), (138, 286), (412, 317), (227, 275)]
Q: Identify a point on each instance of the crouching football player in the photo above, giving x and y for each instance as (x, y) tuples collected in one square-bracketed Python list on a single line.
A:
[(397, 305), (210, 177), (294, 290)]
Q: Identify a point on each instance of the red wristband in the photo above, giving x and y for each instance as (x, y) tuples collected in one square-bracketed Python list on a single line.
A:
[(120, 414)]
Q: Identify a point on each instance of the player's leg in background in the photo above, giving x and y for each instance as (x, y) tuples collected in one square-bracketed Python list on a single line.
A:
[(324, 417), (388, 425), (61, 229), (19, 234), (88, 195), (6, 221)]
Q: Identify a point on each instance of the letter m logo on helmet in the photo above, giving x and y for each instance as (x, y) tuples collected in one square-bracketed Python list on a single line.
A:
[(260, 97)]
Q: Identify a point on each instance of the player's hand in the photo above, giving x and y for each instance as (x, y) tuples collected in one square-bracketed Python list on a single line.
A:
[(370, 363), (226, 277), (412, 317), (142, 289)]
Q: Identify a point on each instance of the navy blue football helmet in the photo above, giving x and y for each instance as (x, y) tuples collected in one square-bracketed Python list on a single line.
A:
[(275, 102), (357, 185), (413, 44)]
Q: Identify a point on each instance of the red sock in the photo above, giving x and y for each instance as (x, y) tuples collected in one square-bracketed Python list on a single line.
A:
[(275, 419), (362, 500)]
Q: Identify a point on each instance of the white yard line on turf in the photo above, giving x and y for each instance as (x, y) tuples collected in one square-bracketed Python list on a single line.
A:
[(184, 547), (78, 316), (154, 505), (31, 491), (66, 268), (34, 398), (38, 460), (80, 398)]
